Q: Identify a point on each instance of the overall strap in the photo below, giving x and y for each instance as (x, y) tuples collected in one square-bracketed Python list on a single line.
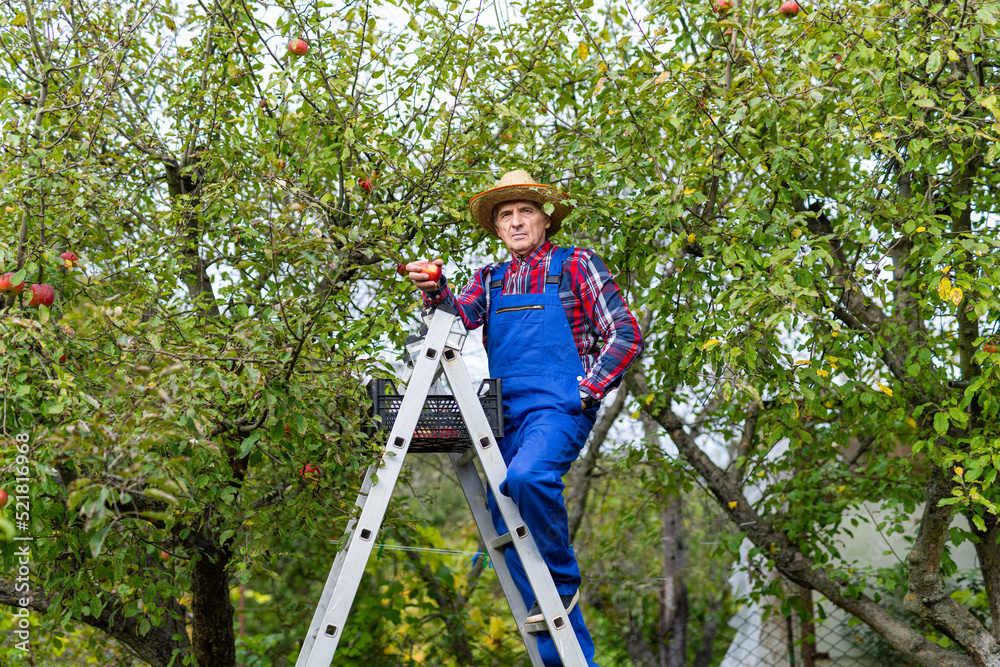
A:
[(559, 257), (501, 271)]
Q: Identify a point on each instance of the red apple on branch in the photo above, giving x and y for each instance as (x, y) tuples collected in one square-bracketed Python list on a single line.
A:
[(789, 8), (41, 295), (722, 7), (298, 46), (3, 499), (69, 259), (990, 347), (365, 183), (310, 473), (7, 289)]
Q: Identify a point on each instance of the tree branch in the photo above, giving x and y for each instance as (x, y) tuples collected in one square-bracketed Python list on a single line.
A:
[(787, 558)]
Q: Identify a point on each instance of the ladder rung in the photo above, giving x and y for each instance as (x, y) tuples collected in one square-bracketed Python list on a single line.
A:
[(501, 541), (467, 456), (534, 628)]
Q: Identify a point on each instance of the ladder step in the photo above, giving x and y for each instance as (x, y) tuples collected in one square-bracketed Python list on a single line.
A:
[(502, 541), (535, 628)]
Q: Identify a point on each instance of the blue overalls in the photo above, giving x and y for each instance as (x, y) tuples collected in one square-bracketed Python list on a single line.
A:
[(531, 347)]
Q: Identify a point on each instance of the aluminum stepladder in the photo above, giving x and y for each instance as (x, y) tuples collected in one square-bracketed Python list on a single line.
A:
[(440, 350)]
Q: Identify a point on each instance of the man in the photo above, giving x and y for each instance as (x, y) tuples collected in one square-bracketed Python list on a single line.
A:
[(543, 314)]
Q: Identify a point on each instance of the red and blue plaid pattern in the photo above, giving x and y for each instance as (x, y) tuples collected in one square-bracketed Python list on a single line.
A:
[(594, 307)]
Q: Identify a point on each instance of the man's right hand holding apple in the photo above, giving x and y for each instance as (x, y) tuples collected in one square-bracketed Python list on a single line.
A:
[(425, 276)]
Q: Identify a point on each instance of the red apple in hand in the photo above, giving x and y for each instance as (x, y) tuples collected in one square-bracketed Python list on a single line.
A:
[(789, 8), (7, 289), (41, 294), (298, 46), (429, 269), (3, 499)]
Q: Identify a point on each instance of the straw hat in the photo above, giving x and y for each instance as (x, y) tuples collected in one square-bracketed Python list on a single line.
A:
[(517, 185)]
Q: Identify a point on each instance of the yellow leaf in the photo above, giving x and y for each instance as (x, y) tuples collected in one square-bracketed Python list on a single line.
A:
[(510, 68), (649, 399), (803, 362), (877, 135), (691, 238), (732, 504), (582, 51), (796, 233), (921, 229), (833, 334), (822, 373), (840, 489), (885, 389), (944, 289), (600, 84), (497, 629), (661, 78), (946, 269), (911, 422), (956, 295), (689, 191), (635, 415), (958, 471), (711, 343)]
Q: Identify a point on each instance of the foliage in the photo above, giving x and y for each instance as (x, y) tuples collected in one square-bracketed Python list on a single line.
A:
[(801, 208)]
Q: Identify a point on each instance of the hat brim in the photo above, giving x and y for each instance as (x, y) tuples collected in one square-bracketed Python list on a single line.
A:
[(481, 206)]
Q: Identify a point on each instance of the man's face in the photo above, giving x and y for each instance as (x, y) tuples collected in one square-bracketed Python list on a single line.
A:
[(521, 226)]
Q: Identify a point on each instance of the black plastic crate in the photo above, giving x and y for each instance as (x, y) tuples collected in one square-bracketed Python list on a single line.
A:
[(440, 427)]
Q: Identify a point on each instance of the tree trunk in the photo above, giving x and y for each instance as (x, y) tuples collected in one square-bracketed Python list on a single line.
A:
[(584, 469), (710, 628), (677, 653), (213, 637), (807, 628)]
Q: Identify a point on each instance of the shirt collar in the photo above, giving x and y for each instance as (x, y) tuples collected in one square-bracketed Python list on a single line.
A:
[(534, 258)]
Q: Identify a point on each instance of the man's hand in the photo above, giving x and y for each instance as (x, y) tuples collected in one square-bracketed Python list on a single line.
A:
[(420, 279)]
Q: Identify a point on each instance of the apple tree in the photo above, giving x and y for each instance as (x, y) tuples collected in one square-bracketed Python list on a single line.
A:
[(194, 396)]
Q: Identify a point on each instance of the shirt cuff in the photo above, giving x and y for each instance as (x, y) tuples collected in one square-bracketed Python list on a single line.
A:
[(436, 296), (588, 388)]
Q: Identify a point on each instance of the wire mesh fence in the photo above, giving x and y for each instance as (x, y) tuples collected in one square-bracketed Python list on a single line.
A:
[(777, 641)]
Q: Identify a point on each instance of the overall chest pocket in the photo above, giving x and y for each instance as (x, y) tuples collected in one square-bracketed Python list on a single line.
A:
[(511, 309)]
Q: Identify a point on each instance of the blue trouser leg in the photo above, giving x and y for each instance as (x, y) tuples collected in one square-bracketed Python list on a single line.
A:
[(538, 453), (546, 647)]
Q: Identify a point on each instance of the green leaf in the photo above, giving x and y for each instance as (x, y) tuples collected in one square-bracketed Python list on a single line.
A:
[(941, 423)]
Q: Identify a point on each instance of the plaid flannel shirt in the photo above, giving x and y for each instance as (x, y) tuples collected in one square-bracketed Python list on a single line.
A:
[(594, 308)]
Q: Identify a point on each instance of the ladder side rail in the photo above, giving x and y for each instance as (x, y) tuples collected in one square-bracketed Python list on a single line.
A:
[(333, 577), (475, 494), (556, 618), (362, 540)]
